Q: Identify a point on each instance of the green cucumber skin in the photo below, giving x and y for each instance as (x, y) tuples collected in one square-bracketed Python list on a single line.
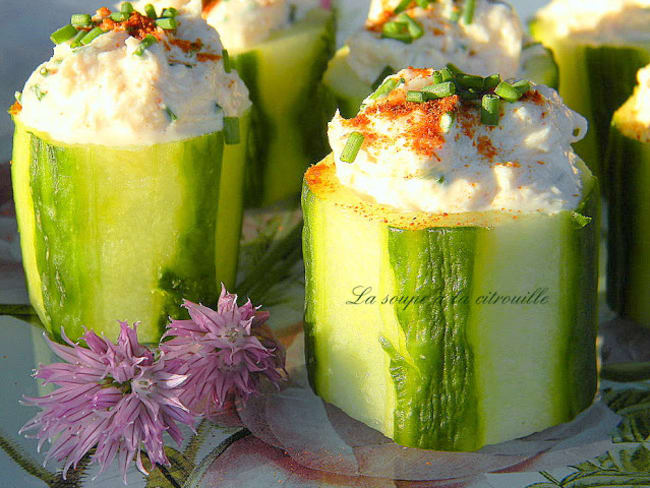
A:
[(286, 142), (614, 68), (628, 269), (440, 407), (440, 379), (118, 234)]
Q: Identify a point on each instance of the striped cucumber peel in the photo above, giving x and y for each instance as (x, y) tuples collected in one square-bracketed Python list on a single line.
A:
[(448, 373), (349, 91), (283, 75), (112, 234)]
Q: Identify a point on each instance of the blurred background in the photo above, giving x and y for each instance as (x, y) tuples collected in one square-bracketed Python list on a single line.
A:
[(25, 27)]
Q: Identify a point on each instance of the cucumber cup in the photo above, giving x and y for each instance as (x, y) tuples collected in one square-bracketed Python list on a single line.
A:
[(447, 330), (628, 273), (283, 72), (598, 53), (126, 231), (371, 53)]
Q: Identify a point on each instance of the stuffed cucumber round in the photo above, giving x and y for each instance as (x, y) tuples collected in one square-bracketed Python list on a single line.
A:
[(281, 50), (599, 47), (443, 308), (628, 272), (129, 188)]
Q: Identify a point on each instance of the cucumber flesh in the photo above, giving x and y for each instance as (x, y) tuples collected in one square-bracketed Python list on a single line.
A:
[(436, 368), (283, 75), (120, 233)]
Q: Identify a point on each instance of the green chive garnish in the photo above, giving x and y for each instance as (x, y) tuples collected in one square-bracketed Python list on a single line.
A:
[(92, 35), (40, 94), (490, 110), (398, 31), (468, 12), (352, 147), (76, 40), (506, 91), (403, 5), (388, 86), (415, 29), (169, 12), (126, 7), (415, 96), (145, 44), (522, 86), (470, 81), (119, 16), (167, 23), (172, 116), (44, 71), (227, 66), (455, 70), (387, 71), (491, 82), (441, 180), (422, 3), (447, 121), (231, 130), (81, 20), (63, 34), (440, 90), (150, 10)]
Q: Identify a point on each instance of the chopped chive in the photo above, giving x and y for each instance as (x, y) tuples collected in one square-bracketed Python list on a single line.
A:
[(150, 10), (386, 72), (227, 65), (126, 7), (491, 82), (441, 180), (63, 34), (145, 44), (522, 86), (398, 31), (169, 12), (468, 12), (76, 40), (440, 90), (414, 27), (231, 130), (92, 35), (455, 70), (506, 91), (388, 86), (167, 23), (447, 121), (490, 110), (119, 16), (81, 20), (40, 94), (172, 116), (470, 94), (470, 81), (403, 5), (352, 147), (18, 96), (415, 96), (422, 3), (44, 71)]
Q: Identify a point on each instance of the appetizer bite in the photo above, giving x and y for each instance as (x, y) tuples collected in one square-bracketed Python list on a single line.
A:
[(628, 269), (478, 36), (120, 173), (451, 245), (599, 46), (281, 49)]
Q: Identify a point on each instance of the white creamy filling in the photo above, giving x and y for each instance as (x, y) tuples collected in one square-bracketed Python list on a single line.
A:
[(599, 21), (491, 43), (245, 23), (104, 94), (525, 164)]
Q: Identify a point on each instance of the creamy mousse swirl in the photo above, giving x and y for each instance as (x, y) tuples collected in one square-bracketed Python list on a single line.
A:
[(438, 156), (137, 83), (488, 42)]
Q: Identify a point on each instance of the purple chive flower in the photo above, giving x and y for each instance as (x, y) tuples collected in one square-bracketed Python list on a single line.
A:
[(115, 397), (224, 353)]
